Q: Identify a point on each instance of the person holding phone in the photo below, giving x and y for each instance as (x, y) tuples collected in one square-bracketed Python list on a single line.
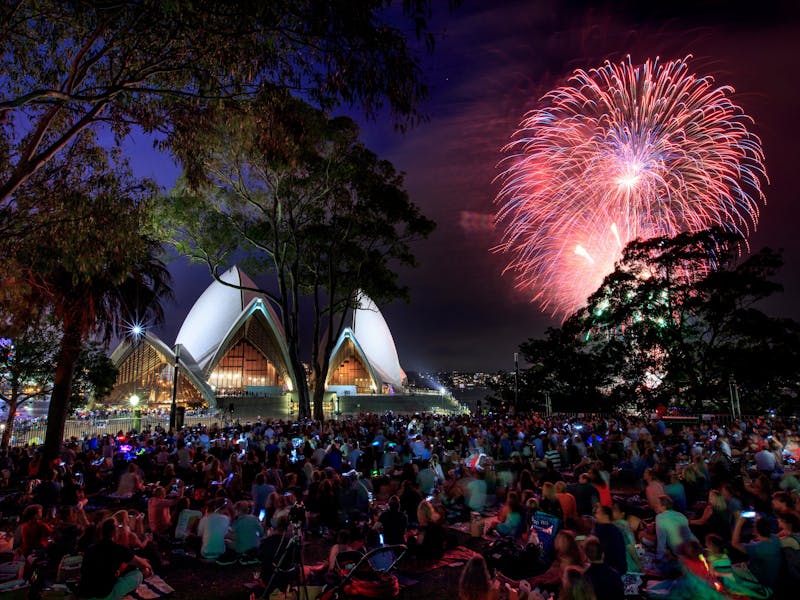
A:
[(764, 552)]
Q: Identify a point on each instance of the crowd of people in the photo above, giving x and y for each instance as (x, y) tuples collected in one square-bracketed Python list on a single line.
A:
[(592, 506)]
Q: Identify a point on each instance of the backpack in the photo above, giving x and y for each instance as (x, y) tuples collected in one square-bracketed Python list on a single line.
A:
[(513, 560)]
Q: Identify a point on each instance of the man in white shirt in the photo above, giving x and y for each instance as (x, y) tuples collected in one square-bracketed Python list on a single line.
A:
[(212, 530)]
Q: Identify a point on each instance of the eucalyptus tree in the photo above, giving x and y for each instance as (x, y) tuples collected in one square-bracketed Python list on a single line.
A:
[(26, 368), (679, 317), (296, 194), (71, 66), (93, 267)]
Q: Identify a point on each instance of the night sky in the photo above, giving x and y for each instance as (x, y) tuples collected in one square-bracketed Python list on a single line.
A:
[(491, 63)]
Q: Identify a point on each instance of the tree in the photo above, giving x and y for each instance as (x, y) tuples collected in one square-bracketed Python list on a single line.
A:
[(680, 316), (26, 369), (95, 375), (564, 369), (322, 213), (92, 266), (27, 364), (69, 66)]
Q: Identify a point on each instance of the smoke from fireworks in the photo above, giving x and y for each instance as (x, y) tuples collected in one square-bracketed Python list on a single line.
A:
[(619, 153)]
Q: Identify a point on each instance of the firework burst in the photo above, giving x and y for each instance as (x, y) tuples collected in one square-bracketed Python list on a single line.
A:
[(618, 153)]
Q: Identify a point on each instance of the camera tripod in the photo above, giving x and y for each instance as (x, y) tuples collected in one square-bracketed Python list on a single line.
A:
[(288, 563)]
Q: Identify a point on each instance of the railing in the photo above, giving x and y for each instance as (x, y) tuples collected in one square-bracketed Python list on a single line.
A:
[(33, 431)]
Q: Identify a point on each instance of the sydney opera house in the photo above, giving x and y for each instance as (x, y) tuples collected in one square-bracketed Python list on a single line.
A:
[(231, 352)]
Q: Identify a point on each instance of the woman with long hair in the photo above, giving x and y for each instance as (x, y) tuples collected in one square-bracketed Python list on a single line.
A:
[(430, 538), (549, 502), (568, 554), (475, 582)]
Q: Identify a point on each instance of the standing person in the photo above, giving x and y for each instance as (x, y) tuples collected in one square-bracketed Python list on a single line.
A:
[(103, 571)]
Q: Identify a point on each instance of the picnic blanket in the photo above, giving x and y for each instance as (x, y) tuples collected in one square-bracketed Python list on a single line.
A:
[(151, 588), (452, 558)]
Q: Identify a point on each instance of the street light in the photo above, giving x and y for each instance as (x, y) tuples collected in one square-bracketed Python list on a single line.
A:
[(137, 413), (173, 409)]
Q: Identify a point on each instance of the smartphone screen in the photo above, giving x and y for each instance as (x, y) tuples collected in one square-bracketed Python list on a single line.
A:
[(262, 515)]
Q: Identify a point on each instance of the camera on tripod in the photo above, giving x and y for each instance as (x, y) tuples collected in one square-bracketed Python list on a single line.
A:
[(297, 513)]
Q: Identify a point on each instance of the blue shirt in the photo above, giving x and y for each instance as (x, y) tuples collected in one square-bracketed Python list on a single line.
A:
[(765, 561)]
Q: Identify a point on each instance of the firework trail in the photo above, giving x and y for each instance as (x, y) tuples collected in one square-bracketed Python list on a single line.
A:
[(618, 153)]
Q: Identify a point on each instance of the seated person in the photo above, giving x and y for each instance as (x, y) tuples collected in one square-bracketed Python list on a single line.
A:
[(550, 502), (671, 527), (622, 522), (245, 532), (393, 523), (764, 553), (509, 521), (475, 582), (568, 554), (130, 483), (33, 533), (430, 538), (611, 538), (277, 560), (187, 520), (159, 510), (212, 529), (736, 581), (606, 581), (103, 571)]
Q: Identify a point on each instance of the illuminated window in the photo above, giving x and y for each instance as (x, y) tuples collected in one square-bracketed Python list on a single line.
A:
[(350, 369), (243, 366)]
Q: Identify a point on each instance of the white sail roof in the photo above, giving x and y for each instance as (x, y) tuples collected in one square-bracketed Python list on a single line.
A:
[(215, 312), (377, 343)]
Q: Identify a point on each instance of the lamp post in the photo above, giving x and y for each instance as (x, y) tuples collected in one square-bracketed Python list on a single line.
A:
[(137, 412), (516, 381), (173, 408), (736, 407)]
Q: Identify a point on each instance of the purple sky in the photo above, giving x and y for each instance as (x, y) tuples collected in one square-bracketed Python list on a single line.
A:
[(491, 63)]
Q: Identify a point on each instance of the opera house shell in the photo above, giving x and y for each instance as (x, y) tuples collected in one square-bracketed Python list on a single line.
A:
[(364, 359), (232, 348), (231, 344)]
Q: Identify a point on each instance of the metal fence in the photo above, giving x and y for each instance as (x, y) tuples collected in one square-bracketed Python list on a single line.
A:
[(33, 431)]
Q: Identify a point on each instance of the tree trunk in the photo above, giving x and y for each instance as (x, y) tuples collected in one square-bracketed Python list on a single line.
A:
[(319, 396), (12, 413), (68, 354), (303, 401)]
